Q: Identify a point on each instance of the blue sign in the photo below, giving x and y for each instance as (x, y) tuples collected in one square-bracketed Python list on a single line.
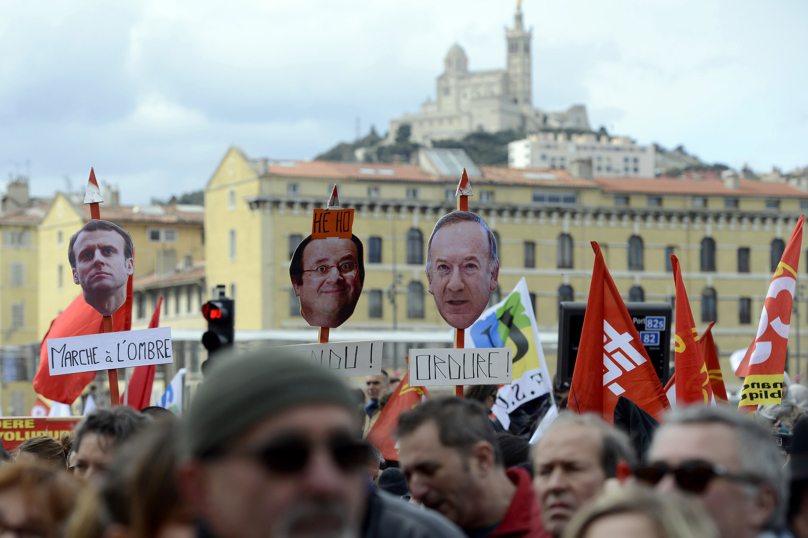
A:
[(655, 323), (650, 338)]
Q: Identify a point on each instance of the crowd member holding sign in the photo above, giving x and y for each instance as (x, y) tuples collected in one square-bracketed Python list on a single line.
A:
[(101, 255), (269, 448), (328, 274), (571, 463), (727, 463), (97, 438), (462, 267), (450, 456)]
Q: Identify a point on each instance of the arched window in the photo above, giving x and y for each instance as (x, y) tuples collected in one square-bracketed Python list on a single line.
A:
[(415, 300), (415, 247), (708, 254), (636, 295), (778, 247), (565, 293), (564, 251), (708, 305), (635, 253), (496, 296)]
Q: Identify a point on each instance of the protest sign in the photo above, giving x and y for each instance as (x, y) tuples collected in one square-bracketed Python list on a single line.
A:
[(332, 223), (13, 431), (348, 359), (482, 366), (109, 350)]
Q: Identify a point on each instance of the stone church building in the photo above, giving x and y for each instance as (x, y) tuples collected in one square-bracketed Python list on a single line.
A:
[(496, 100)]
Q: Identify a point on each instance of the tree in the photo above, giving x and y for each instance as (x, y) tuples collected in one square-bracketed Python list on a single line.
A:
[(403, 133)]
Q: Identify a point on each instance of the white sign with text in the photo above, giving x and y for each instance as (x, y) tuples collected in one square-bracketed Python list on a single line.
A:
[(106, 351), (471, 366), (347, 359)]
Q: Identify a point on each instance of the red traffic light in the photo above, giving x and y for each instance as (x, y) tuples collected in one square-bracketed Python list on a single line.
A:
[(211, 311)]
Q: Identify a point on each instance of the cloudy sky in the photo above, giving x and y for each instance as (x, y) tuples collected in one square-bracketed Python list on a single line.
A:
[(152, 93)]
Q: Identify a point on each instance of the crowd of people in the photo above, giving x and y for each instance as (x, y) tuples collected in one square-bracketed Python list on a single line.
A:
[(272, 446)]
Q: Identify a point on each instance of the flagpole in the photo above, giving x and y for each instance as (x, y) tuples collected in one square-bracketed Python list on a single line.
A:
[(93, 198), (463, 193)]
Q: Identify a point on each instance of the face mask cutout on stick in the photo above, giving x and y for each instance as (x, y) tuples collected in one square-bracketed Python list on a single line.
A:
[(462, 267), (101, 256), (327, 275)]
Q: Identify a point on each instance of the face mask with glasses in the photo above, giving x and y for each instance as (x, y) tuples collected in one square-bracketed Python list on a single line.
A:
[(345, 269)]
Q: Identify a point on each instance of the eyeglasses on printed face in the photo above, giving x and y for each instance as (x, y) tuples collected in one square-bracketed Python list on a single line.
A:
[(692, 476), (345, 269), (291, 455)]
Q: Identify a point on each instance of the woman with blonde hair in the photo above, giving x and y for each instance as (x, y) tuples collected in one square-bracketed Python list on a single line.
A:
[(47, 450), (639, 512)]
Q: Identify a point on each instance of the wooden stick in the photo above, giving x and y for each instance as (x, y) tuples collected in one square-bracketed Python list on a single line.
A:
[(114, 396), (322, 335), (463, 192), (459, 343)]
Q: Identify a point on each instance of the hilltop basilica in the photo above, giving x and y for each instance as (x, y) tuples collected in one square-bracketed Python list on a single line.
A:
[(490, 101)]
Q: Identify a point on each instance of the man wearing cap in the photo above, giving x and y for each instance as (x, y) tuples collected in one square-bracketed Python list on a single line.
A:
[(269, 448)]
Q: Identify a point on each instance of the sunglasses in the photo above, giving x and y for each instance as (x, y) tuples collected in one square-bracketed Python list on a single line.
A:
[(692, 476), (292, 455)]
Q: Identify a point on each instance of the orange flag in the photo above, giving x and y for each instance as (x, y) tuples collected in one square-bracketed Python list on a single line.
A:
[(78, 319), (765, 360), (692, 380), (403, 399), (713, 367), (611, 359)]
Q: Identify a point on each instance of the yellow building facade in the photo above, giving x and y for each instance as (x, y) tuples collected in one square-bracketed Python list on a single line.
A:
[(727, 233)]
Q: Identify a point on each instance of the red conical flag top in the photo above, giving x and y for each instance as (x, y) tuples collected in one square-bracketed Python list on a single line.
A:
[(333, 202), (463, 192), (93, 196)]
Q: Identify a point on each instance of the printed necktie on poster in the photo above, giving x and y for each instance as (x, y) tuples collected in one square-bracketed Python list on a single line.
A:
[(611, 360), (692, 379), (764, 363)]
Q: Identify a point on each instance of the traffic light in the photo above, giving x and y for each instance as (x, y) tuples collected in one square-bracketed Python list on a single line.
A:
[(220, 314)]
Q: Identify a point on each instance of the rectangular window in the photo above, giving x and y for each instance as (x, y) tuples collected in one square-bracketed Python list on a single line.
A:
[(154, 235), (177, 301), (141, 305), (292, 188), (17, 274), (486, 196), (744, 310), (19, 238), (530, 254), (233, 291), (59, 237), (231, 199), (743, 260), (375, 250), (803, 205), (654, 201), (699, 202), (59, 276), (294, 241), (169, 235), (668, 254), (375, 304), (772, 204), (412, 194), (555, 198), (621, 199), (232, 245), (18, 316), (731, 203), (450, 195), (374, 192)]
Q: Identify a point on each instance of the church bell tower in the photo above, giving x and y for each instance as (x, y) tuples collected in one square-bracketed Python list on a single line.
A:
[(519, 59)]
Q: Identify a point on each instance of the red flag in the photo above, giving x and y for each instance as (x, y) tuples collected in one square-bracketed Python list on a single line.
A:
[(765, 360), (78, 319), (403, 399), (713, 367), (142, 380), (611, 360), (693, 385)]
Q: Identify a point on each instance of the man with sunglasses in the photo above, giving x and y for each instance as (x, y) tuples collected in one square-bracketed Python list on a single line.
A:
[(269, 449), (571, 463), (727, 462), (451, 459)]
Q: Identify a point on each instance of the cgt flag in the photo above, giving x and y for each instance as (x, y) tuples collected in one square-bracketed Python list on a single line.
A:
[(611, 360), (765, 360), (172, 397), (710, 355), (403, 399), (693, 382), (512, 323)]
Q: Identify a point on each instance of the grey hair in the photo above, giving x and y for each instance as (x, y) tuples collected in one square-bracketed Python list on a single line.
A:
[(757, 452), (456, 217), (614, 444)]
